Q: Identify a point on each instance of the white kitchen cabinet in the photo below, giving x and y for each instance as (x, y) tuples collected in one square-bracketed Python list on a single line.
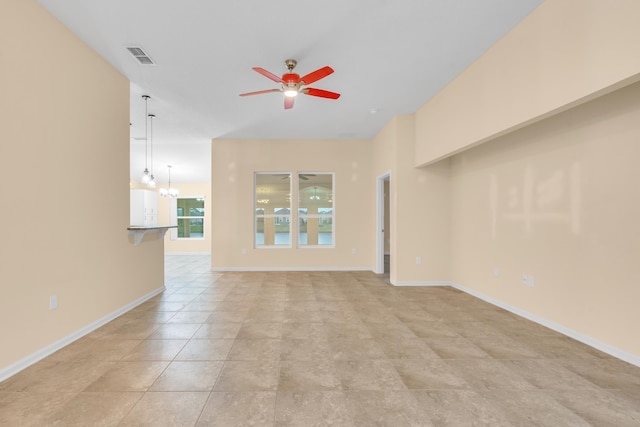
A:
[(144, 207)]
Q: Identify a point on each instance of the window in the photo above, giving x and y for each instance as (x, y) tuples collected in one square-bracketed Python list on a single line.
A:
[(190, 216), (274, 216), (272, 207), (315, 209)]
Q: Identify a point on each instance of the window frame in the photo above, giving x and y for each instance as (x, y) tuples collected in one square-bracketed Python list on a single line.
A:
[(175, 217), (318, 216), (290, 216)]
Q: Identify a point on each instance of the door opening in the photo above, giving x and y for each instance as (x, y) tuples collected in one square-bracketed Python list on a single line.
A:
[(383, 263)]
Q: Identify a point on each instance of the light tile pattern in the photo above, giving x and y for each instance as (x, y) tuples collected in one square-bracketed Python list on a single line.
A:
[(319, 348)]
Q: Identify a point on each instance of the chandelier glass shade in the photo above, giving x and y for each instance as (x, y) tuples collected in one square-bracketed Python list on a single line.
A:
[(146, 176)]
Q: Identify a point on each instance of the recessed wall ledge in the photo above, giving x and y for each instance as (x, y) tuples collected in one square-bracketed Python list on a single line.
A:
[(138, 231)]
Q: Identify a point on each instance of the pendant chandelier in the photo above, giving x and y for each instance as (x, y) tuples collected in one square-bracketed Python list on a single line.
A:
[(315, 194), (170, 192), (152, 180), (146, 176)]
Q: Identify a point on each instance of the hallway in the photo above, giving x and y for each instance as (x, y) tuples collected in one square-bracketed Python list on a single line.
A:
[(319, 348)]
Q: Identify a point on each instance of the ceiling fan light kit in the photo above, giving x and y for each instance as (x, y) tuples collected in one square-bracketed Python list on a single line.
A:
[(291, 84)]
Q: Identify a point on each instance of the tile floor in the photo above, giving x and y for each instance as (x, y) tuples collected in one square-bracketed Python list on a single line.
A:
[(319, 348)]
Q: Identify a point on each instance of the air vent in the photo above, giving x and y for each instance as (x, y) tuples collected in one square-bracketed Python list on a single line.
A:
[(140, 55)]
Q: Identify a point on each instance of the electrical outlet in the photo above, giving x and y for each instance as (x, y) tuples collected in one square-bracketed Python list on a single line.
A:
[(354, 251), (53, 302), (525, 279), (496, 271), (531, 281), (244, 252), (418, 260)]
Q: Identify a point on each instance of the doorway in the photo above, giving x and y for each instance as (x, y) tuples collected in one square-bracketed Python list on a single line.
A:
[(383, 240)]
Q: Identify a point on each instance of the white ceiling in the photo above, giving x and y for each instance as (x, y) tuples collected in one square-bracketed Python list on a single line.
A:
[(389, 57)]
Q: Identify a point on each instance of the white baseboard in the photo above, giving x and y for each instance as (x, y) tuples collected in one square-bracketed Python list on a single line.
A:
[(229, 269), (396, 283), (24, 363), (604, 347)]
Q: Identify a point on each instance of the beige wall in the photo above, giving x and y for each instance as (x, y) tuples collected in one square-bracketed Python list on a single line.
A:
[(552, 191), (64, 136), (559, 200), (233, 165), (419, 207), (563, 54), (422, 214), (190, 189)]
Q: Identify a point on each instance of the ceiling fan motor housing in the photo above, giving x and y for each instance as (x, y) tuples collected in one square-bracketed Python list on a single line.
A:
[(291, 82), (289, 78)]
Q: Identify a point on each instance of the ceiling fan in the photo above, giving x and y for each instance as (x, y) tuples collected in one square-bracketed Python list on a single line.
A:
[(292, 84), (305, 176)]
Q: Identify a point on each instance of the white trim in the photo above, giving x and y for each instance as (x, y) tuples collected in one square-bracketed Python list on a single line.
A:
[(604, 347), (25, 362), (395, 283), (318, 268)]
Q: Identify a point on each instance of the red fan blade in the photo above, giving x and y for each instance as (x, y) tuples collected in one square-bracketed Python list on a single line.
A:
[(288, 102), (260, 92), (321, 93), (316, 75), (268, 74)]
